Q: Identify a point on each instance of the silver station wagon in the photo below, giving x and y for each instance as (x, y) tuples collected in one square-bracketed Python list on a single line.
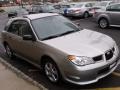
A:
[(62, 50)]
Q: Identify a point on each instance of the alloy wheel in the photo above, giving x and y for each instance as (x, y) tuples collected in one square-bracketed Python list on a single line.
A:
[(103, 23), (51, 72), (8, 51)]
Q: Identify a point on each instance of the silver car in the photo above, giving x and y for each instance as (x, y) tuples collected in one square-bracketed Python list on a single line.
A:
[(108, 17), (103, 4), (100, 5), (62, 50), (80, 9)]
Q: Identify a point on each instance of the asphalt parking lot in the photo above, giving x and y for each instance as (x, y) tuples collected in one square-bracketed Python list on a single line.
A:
[(112, 81)]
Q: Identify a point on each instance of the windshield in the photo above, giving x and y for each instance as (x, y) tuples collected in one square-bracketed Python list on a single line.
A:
[(78, 5), (53, 26)]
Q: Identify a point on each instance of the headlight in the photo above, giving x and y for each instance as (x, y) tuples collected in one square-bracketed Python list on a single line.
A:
[(80, 60)]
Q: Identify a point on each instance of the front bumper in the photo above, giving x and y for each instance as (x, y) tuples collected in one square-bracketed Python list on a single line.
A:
[(83, 77)]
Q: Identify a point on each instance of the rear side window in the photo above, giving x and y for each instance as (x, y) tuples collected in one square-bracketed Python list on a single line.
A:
[(114, 8), (14, 27), (20, 28)]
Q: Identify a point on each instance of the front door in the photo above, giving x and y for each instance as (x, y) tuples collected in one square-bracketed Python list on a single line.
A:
[(28, 48)]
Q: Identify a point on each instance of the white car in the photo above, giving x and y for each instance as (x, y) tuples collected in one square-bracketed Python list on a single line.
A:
[(80, 9), (103, 4), (100, 5)]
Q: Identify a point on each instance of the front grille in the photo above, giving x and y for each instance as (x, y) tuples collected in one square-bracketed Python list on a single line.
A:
[(109, 54), (98, 58)]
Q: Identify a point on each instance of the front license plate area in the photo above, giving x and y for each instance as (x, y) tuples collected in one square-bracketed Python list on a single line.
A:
[(112, 65)]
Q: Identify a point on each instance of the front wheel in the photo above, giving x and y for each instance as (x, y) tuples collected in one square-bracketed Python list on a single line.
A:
[(103, 23), (52, 72)]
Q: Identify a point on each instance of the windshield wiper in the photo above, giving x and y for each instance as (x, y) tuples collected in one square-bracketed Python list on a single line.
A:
[(50, 37), (68, 32), (54, 36)]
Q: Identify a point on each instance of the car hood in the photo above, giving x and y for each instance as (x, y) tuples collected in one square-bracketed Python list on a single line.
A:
[(83, 43)]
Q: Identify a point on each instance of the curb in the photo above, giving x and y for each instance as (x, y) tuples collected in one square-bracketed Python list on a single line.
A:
[(22, 75)]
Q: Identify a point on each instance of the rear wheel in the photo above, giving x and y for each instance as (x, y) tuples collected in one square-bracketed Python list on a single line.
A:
[(9, 51), (86, 15), (51, 71), (103, 23)]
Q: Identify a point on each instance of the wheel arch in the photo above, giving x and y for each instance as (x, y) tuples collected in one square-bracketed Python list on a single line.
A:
[(103, 16), (87, 13), (46, 58)]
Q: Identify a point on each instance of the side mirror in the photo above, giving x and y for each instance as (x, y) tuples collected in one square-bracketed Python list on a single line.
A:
[(28, 37)]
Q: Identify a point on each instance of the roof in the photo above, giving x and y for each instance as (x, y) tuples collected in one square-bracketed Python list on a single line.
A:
[(40, 15)]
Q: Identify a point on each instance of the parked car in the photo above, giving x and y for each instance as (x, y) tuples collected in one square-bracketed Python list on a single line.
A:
[(103, 4), (12, 14), (17, 12), (100, 5), (46, 8), (81, 9), (60, 48), (108, 17), (62, 7)]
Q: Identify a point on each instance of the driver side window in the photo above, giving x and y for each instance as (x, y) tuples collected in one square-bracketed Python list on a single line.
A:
[(25, 28)]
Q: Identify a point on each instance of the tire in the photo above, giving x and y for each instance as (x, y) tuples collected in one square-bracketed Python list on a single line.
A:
[(9, 51), (52, 72), (103, 23), (86, 15)]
